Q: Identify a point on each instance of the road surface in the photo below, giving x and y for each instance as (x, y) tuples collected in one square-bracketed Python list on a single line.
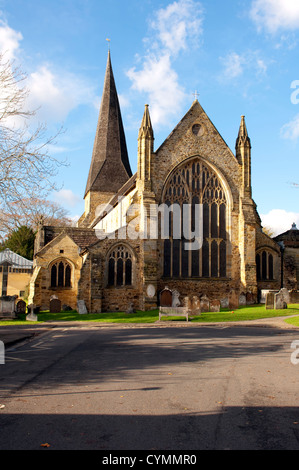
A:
[(160, 387)]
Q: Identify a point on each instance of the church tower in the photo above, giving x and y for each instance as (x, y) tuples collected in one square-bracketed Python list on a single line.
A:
[(110, 168)]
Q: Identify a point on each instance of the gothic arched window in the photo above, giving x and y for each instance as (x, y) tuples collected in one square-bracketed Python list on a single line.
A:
[(120, 267), (61, 273), (264, 266), (197, 208)]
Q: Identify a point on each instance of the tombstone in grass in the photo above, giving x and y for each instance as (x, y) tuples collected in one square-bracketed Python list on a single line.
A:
[(286, 295), (242, 299), (82, 310), (31, 316), (187, 304), (175, 299), (8, 306), (294, 297), (250, 299), (196, 305), (21, 307), (215, 306), (224, 302), (270, 300), (279, 301), (130, 308), (55, 306), (233, 300), (166, 298), (204, 304)]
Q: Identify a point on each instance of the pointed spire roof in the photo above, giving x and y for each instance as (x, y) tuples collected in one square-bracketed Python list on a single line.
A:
[(110, 167), (243, 134), (146, 128)]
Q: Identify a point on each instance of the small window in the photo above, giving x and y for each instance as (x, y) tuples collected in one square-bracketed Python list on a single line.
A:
[(264, 266), (61, 274)]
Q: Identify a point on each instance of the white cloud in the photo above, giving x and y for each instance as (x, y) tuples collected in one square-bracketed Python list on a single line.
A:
[(160, 82), (178, 23), (290, 130), (234, 64), (67, 198), (274, 15), (279, 220), (52, 94), (56, 94), (9, 40), (172, 29)]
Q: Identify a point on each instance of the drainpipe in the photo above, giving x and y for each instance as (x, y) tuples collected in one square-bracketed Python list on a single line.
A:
[(282, 247)]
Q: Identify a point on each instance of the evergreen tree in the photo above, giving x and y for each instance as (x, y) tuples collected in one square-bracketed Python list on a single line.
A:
[(21, 241)]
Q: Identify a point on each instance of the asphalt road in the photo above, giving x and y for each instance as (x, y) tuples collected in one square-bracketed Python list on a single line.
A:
[(158, 387)]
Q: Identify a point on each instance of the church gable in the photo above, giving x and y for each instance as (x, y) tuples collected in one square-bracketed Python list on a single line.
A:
[(195, 135), (60, 247)]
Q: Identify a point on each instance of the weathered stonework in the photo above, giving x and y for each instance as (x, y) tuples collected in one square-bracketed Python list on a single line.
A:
[(114, 272)]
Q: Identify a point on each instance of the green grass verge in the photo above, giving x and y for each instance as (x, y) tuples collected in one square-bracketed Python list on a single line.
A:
[(246, 313)]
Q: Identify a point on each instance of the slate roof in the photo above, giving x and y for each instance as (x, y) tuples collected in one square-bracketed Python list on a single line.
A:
[(290, 238), (83, 237), (14, 260), (110, 167)]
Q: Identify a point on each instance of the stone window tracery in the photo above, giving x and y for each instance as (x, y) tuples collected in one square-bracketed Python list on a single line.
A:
[(61, 273), (195, 184), (264, 266), (120, 267)]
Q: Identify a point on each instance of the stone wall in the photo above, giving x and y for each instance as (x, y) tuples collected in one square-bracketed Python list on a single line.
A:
[(61, 248)]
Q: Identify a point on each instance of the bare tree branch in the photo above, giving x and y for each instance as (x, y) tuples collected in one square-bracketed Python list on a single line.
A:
[(27, 168)]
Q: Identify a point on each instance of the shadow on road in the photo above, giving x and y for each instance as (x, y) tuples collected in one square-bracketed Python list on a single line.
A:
[(253, 429)]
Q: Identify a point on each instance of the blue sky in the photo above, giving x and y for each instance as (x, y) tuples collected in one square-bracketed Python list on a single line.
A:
[(241, 56)]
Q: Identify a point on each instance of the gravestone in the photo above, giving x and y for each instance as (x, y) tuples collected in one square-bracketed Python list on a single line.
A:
[(8, 306), (21, 306), (130, 308), (166, 298), (285, 293), (195, 306), (224, 302), (233, 300), (55, 306), (250, 300), (294, 297), (242, 299), (204, 304), (187, 304), (270, 300), (215, 306), (279, 302), (32, 313), (31, 317), (82, 310), (175, 299)]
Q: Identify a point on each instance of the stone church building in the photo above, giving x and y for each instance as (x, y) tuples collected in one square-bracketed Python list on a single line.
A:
[(126, 250)]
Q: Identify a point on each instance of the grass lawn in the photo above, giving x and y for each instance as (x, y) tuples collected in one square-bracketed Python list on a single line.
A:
[(249, 312)]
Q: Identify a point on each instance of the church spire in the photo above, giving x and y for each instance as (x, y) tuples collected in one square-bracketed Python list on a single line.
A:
[(243, 154), (110, 167), (243, 138), (145, 151)]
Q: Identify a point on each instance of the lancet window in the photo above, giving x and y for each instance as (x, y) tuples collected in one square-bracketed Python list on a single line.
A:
[(120, 267), (196, 199), (61, 272), (264, 266)]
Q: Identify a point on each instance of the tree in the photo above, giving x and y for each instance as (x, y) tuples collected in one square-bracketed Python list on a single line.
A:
[(26, 166), (31, 213), (21, 241)]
